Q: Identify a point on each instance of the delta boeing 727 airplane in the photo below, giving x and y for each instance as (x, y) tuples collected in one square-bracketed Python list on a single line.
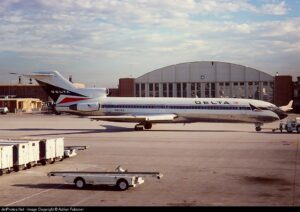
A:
[(95, 103)]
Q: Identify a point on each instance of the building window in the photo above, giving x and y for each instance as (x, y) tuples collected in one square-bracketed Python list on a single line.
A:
[(206, 90), (156, 89), (250, 90), (242, 90), (184, 90), (137, 90), (199, 90), (165, 92), (170, 89), (227, 90), (267, 92), (143, 92), (238, 90), (257, 92), (178, 89), (193, 89), (151, 89), (213, 90)]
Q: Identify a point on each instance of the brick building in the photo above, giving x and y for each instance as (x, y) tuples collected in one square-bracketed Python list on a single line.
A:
[(283, 90), (23, 91)]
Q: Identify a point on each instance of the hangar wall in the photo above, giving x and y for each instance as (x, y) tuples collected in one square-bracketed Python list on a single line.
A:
[(206, 79)]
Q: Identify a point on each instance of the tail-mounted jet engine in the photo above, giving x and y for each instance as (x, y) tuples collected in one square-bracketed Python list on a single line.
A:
[(85, 107)]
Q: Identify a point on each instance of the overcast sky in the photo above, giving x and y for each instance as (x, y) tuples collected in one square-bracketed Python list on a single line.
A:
[(100, 41)]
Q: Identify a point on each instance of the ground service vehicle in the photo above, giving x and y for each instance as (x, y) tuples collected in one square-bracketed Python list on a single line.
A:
[(292, 125), (289, 126), (6, 158), (120, 178), (3, 110)]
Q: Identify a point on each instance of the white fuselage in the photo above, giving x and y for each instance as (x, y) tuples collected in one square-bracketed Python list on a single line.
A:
[(187, 109), (145, 111)]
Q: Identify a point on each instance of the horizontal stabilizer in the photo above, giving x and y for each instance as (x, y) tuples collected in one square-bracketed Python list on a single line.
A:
[(37, 74), (136, 118)]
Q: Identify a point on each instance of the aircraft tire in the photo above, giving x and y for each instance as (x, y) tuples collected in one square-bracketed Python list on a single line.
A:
[(148, 125), (258, 129)]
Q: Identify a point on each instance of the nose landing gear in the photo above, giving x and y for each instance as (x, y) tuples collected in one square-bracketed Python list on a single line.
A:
[(258, 127)]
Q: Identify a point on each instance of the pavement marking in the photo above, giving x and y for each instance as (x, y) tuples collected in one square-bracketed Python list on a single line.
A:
[(34, 195), (81, 201), (44, 192)]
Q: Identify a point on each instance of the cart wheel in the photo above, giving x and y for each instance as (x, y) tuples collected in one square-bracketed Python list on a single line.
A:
[(79, 183), (122, 185), (1, 172), (298, 129)]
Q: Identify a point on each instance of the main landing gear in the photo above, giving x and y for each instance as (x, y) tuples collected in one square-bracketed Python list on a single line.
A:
[(143, 125), (258, 127)]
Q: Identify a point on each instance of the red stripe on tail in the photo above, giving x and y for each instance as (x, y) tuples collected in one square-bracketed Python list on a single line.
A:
[(69, 99)]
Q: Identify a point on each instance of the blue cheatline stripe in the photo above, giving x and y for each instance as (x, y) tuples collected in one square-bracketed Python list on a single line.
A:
[(183, 107)]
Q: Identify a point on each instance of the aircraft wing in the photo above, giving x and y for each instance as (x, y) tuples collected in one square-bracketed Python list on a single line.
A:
[(136, 118)]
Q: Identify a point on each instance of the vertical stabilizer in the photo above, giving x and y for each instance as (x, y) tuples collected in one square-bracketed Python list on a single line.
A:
[(55, 85)]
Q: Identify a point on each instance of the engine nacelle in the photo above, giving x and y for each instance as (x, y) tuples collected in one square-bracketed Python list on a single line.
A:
[(85, 107)]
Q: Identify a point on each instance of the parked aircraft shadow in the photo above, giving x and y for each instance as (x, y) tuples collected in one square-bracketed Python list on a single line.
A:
[(107, 129), (273, 133), (67, 187), (196, 130)]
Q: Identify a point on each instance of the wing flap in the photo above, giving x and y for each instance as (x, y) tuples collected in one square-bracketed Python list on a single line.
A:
[(136, 118)]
